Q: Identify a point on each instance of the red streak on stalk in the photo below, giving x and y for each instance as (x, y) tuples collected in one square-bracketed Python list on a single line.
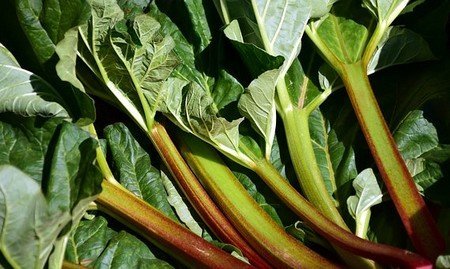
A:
[(199, 198), (337, 236), (163, 232), (416, 217)]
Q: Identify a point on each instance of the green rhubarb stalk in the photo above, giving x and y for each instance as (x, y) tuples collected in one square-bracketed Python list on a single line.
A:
[(338, 236), (266, 236), (412, 209), (198, 197), (310, 177), (305, 164), (163, 232)]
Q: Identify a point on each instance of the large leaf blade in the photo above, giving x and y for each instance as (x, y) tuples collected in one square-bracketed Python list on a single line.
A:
[(132, 168), (28, 230)]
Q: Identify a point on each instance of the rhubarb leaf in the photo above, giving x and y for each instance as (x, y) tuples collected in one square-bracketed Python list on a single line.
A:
[(415, 135), (132, 168), (418, 142), (281, 25), (59, 160), (399, 46), (258, 105), (226, 90), (335, 160), (95, 244), (125, 250), (88, 241), (344, 37), (25, 93), (385, 10), (28, 228), (368, 193)]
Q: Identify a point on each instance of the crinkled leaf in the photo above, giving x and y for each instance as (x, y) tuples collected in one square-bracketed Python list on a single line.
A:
[(72, 171), (132, 168), (28, 229), (125, 250), (199, 22), (415, 136), (418, 143), (368, 193), (148, 60), (88, 241), (95, 245), (184, 51), (67, 53), (336, 162), (60, 158), (132, 8), (44, 24), (258, 105), (399, 46), (25, 93)]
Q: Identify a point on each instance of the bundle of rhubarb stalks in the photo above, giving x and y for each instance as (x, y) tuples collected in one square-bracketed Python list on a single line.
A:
[(224, 134)]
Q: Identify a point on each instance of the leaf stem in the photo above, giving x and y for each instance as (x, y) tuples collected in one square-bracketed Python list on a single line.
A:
[(362, 224), (415, 216), (198, 197), (163, 232), (269, 239), (373, 43), (336, 235)]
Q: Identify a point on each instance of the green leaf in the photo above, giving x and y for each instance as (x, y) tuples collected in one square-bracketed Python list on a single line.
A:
[(368, 193), (344, 37), (88, 241), (7, 58), (132, 8), (132, 168), (226, 90), (399, 46), (148, 60), (125, 250), (67, 53), (25, 93), (199, 23), (385, 10), (95, 245), (258, 105), (58, 156), (28, 229), (417, 140), (256, 59), (443, 262), (281, 26), (415, 135), (321, 7), (182, 210), (26, 139), (335, 160), (72, 171)]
